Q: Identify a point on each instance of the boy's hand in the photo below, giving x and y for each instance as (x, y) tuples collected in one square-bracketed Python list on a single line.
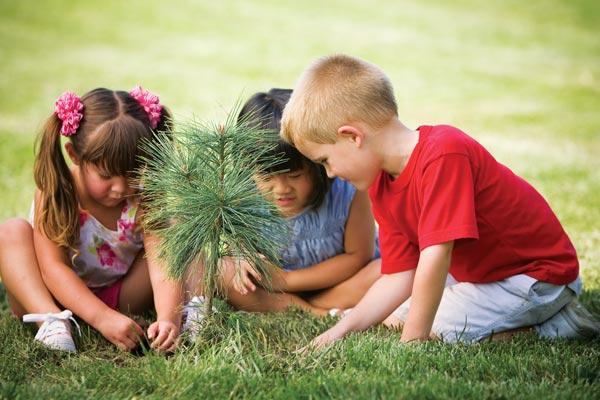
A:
[(120, 330), (242, 279), (325, 339), (164, 336), (383, 297)]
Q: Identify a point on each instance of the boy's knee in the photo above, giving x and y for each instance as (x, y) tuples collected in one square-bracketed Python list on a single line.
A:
[(14, 231)]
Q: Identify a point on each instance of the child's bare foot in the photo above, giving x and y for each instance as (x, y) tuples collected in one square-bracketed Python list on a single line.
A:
[(393, 322)]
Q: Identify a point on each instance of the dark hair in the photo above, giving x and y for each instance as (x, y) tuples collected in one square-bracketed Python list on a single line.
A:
[(264, 111), (109, 136)]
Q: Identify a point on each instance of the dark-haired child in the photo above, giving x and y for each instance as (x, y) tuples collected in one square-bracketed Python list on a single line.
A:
[(331, 258)]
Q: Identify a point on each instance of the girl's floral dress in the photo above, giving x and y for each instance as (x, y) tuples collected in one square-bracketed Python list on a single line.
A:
[(104, 256)]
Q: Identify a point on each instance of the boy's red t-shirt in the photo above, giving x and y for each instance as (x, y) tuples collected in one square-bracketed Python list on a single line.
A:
[(453, 189)]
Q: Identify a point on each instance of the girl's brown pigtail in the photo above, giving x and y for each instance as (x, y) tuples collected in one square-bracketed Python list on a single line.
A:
[(56, 214)]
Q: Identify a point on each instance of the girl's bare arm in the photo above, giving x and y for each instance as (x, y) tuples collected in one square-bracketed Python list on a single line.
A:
[(72, 293), (168, 292)]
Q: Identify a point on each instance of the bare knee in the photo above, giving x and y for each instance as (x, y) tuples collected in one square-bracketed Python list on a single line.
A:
[(250, 301), (15, 231), (227, 274)]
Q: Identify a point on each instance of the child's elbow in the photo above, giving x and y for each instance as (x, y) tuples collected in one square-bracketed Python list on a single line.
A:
[(364, 257)]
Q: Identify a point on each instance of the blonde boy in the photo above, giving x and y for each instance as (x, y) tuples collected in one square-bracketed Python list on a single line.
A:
[(468, 248)]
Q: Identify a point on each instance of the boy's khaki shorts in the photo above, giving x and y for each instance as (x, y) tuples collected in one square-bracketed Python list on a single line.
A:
[(469, 312)]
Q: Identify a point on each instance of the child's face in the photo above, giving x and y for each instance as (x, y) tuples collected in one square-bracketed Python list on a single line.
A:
[(108, 191), (291, 192), (345, 159)]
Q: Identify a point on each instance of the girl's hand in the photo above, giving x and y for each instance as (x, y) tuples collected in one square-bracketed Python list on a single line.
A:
[(121, 331), (242, 279), (164, 335)]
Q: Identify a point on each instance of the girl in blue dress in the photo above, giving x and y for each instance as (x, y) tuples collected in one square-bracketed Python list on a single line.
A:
[(332, 257)]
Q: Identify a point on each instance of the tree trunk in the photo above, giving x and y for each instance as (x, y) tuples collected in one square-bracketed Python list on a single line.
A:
[(208, 304)]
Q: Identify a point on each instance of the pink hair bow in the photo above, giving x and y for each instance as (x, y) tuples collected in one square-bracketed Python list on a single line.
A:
[(150, 102), (68, 109)]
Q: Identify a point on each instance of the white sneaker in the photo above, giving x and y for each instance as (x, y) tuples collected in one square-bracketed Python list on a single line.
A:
[(572, 321), (193, 314), (55, 332), (336, 312)]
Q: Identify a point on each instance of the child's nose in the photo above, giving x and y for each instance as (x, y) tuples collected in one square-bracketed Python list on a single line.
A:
[(280, 185), (119, 185)]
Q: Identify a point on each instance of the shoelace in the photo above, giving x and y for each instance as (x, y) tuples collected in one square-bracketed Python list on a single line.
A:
[(64, 315)]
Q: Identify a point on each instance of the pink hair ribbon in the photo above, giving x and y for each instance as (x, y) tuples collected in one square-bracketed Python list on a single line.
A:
[(149, 102), (68, 108)]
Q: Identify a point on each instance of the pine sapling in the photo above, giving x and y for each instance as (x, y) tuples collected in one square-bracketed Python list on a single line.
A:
[(201, 201)]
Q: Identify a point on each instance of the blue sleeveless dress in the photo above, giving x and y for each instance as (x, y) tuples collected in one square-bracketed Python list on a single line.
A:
[(318, 234)]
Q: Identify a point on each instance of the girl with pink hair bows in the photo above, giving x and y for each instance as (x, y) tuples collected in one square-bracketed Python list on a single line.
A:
[(82, 252)]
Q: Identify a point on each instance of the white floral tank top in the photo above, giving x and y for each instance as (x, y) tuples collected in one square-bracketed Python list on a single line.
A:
[(105, 255)]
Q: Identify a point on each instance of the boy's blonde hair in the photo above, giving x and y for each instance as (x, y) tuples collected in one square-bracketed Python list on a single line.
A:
[(333, 91)]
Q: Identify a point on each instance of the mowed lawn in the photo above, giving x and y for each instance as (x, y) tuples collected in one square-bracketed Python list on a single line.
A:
[(521, 77)]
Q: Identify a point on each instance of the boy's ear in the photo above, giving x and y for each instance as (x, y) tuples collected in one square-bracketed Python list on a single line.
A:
[(71, 153), (352, 133)]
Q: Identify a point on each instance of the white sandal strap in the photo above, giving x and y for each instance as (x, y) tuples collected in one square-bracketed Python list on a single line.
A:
[(64, 315)]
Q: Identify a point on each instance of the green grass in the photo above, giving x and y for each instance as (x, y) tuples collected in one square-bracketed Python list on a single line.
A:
[(521, 77), (253, 356)]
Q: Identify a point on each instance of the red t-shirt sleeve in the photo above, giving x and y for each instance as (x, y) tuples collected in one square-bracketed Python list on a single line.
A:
[(448, 201), (398, 253)]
